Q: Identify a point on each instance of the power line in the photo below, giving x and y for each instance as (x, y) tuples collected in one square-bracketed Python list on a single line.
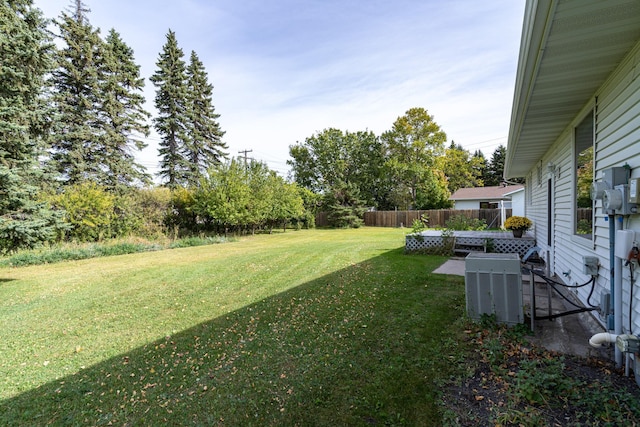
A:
[(245, 155)]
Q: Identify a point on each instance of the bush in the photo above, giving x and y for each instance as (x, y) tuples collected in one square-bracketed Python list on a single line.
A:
[(197, 241), (72, 252), (585, 226), (462, 223), (421, 224), (89, 210)]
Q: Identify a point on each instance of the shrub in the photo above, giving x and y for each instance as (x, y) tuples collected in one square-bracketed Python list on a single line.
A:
[(197, 241), (89, 210), (462, 223), (420, 224), (585, 226)]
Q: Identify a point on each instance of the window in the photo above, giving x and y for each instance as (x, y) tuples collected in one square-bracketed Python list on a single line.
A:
[(488, 205), (584, 137)]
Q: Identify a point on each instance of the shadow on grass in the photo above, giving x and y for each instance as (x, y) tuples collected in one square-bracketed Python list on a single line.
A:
[(365, 345)]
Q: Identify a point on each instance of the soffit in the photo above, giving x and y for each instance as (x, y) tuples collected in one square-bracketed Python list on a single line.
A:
[(568, 49)]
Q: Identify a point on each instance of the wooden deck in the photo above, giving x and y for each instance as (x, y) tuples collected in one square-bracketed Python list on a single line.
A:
[(479, 234), (472, 241)]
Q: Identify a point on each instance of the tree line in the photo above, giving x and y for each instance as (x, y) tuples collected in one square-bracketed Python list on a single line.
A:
[(408, 167), (72, 119)]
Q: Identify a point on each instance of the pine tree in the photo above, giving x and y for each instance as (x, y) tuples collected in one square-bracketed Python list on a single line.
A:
[(204, 147), (75, 148), (171, 103), (123, 117), (25, 55)]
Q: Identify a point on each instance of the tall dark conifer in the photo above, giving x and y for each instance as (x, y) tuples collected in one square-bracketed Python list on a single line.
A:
[(171, 103), (495, 168), (122, 115), (25, 58), (204, 147), (76, 98)]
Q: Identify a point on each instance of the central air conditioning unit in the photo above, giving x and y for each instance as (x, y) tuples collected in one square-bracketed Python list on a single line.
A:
[(493, 285)]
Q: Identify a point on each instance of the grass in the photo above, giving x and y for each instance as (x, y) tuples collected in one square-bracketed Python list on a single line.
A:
[(320, 327), (77, 251)]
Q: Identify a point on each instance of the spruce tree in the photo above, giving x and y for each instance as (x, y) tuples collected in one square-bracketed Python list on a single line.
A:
[(172, 121), (123, 116), (25, 55), (204, 147), (75, 149)]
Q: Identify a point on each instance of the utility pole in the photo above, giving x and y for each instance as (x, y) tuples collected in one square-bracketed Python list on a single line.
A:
[(245, 155)]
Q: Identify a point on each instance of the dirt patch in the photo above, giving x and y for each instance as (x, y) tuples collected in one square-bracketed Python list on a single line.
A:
[(509, 381)]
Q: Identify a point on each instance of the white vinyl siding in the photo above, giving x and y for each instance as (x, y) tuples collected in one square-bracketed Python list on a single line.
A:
[(617, 143), (466, 204)]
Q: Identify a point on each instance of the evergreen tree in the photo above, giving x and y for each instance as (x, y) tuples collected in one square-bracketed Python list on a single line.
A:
[(25, 55), (480, 166), (495, 169), (204, 147), (75, 148), (344, 207), (123, 116), (171, 103)]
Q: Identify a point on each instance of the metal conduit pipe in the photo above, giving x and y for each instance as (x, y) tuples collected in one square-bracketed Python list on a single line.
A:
[(617, 308), (612, 257)]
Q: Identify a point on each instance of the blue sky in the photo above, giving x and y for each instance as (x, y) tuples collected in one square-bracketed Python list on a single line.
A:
[(284, 70)]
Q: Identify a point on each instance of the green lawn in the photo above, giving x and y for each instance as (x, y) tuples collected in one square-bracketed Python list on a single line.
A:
[(319, 327)]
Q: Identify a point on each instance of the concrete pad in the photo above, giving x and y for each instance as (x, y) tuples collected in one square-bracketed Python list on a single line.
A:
[(567, 334), (453, 266)]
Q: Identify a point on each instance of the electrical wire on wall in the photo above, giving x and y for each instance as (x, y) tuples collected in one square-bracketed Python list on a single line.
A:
[(554, 284), (633, 255)]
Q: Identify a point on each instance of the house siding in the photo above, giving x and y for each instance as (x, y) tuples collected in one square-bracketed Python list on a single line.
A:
[(617, 143), (517, 204), (466, 204)]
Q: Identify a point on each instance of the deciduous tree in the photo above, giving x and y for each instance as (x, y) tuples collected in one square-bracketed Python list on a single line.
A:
[(461, 168), (413, 144), (333, 157)]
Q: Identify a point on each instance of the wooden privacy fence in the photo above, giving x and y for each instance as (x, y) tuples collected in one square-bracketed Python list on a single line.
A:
[(437, 218)]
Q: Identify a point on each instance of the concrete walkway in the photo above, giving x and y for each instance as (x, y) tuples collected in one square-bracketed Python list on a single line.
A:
[(567, 334)]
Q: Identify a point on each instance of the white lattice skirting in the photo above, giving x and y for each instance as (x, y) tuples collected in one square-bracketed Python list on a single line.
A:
[(497, 242)]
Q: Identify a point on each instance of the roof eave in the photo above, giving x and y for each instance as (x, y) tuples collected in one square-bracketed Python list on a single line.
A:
[(537, 22)]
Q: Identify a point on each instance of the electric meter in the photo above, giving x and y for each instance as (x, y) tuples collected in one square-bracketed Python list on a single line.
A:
[(628, 343), (612, 200), (634, 190), (597, 190)]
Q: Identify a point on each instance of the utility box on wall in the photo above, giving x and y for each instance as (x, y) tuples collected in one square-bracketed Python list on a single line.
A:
[(493, 285)]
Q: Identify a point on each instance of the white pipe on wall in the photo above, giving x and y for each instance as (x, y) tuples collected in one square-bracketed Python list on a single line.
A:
[(602, 338)]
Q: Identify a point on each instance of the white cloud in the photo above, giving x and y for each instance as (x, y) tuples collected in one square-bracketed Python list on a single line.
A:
[(283, 70)]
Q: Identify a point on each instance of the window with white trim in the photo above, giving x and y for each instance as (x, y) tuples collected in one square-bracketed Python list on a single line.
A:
[(583, 161)]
